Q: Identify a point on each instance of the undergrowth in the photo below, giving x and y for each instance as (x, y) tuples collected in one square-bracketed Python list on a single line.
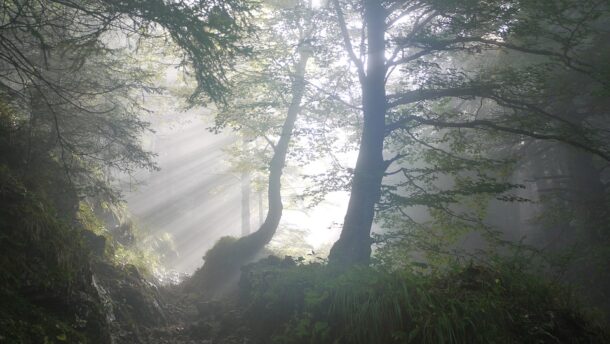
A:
[(137, 251), (48, 239), (313, 303), (38, 248), (42, 263)]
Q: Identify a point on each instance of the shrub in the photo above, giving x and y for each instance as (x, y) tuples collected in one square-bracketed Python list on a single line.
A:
[(292, 303)]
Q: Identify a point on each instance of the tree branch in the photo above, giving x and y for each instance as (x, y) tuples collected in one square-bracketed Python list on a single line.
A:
[(486, 124), (410, 97), (347, 40)]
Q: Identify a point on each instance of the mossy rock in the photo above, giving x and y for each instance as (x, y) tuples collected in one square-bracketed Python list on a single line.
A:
[(223, 262)]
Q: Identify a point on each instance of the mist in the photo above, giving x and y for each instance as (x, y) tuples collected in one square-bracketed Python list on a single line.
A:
[(345, 171)]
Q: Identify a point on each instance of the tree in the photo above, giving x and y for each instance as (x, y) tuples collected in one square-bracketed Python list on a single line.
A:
[(72, 70), (266, 104), (423, 39)]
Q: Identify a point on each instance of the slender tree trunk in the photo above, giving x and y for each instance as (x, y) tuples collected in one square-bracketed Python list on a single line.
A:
[(278, 161), (261, 213), (245, 203), (354, 244), (588, 194), (245, 182), (223, 262)]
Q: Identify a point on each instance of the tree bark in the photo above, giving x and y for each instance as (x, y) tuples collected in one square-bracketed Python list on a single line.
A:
[(354, 244), (223, 262), (245, 203)]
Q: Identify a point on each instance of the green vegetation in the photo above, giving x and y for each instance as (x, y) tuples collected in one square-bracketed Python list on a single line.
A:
[(43, 264), (464, 304), (56, 253), (482, 136)]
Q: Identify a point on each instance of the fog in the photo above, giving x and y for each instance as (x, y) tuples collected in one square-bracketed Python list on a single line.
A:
[(195, 198)]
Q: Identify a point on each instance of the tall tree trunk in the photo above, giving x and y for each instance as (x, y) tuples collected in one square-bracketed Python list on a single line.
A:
[(354, 244), (245, 203), (588, 195), (261, 212), (245, 182), (223, 262)]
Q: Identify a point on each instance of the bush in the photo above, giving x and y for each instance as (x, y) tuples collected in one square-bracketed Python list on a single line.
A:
[(292, 303)]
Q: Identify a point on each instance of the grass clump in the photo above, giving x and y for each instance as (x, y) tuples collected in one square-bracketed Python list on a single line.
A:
[(292, 303)]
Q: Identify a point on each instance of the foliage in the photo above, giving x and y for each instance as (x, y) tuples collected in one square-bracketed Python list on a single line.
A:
[(48, 241), (208, 32), (466, 304), (37, 239), (78, 73), (36, 246), (40, 327), (137, 250), (444, 110), (43, 261), (274, 90)]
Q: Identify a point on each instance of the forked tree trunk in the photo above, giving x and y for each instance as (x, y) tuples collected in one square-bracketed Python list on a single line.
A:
[(354, 244)]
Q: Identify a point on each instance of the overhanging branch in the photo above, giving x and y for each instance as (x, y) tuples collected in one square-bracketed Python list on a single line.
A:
[(490, 125), (411, 97)]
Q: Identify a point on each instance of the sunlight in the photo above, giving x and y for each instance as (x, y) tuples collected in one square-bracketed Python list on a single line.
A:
[(195, 198), (191, 198), (318, 3), (477, 212)]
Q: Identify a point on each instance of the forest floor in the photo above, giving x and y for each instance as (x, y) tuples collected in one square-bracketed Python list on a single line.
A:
[(187, 318), (191, 320)]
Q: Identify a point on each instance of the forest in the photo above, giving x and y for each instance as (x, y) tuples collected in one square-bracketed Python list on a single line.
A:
[(304, 171)]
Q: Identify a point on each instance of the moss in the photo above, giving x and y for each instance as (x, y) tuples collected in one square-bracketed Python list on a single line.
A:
[(222, 245), (224, 258)]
